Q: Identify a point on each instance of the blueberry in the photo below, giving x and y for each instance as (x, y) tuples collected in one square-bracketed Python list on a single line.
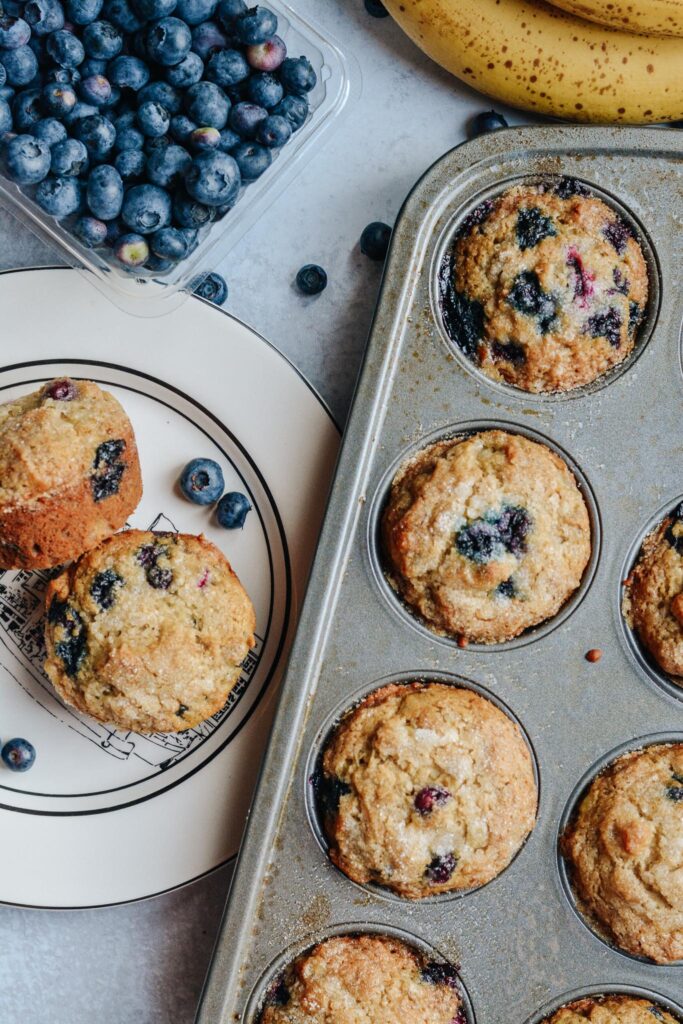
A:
[(202, 481), (102, 40), (181, 127), (227, 67), (187, 73), (90, 231), (294, 108), (170, 244), (37, 44), (213, 179), (635, 315), (254, 25), (204, 138), (27, 159), (82, 12), (479, 541), (252, 159), (6, 93), (509, 351), (191, 236), (582, 279), (153, 119), (207, 38), (121, 14), (374, 242), (162, 93), (621, 282), (3, 76), (169, 41), (514, 524), (20, 65), (274, 132), (207, 105), (232, 510), (63, 389), (167, 166), (79, 111), (128, 138), (194, 12), (49, 129), (131, 250), (245, 119), (96, 90), (26, 110), (605, 325), (128, 73), (130, 164), (59, 100), (14, 32), (506, 589), (329, 789), (565, 188), (436, 973), (103, 588), (430, 798), (69, 159), (93, 66), (228, 12), (72, 645), (674, 793), (265, 90), (311, 279), (65, 48), (617, 234), (157, 264), (266, 56), (156, 144), (527, 296), (105, 192), (190, 214), (18, 754), (297, 75), (532, 227), (6, 119), (154, 10), (228, 140), (441, 868), (158, 578), (97, 134), (214, 289), (108, 468), (488, 121), (44, 16), (146, 208)]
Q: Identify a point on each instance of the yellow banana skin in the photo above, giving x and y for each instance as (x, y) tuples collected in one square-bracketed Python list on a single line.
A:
[(646, 17), (531, 55)]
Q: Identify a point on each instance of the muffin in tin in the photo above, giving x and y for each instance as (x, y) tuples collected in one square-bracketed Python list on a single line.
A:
[(486, 536), (544, 287), (148, 631), (611, 1009), (653, 598), (624, 852), (355, 979), (426, 788), (69, 473)]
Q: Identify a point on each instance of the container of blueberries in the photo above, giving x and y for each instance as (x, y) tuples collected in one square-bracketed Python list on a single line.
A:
[(145, 137)]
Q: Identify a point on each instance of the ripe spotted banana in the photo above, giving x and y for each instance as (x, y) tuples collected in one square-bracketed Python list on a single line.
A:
[(531, 55), (646, 17)]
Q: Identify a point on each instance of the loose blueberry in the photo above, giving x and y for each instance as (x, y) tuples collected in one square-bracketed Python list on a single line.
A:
[(267, 56), (311, 279), (207, 39), (252, 159), (108, 468), (294, 108), (374, 242), (266, 91), (202, 481), (27, 159), (206, 104), (146, 208), (605, 325), (44, 16), (131, 250), (65, 48), (441, 868), (213, 179), (254, 25), (167, 166), (188, 72), (90, 231), (488, 121), (61, 390), (102, 40), (527, 296), (617, 234), (105, 192), (153, 119), (227, 67), (21, 65), (103, 588), (169, 41), (297, 75), (212, 288), (376, 9), (232, 510), (49, 129), (18, 754), (59, 197), (532, 227), (205, 138), (130, 164), (430, 798)]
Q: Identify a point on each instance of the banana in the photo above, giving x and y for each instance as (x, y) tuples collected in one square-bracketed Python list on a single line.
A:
[(646, 17), (530, 55)]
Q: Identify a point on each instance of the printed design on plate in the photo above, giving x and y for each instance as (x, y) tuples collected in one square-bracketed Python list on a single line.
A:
[(22, 596)]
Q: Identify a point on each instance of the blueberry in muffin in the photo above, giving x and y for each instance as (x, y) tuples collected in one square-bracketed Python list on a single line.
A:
[(624, 852), (148, 631), (485, 536), (611, 1009), (356, 979), (544, 287), (69, 473), (426, 788)]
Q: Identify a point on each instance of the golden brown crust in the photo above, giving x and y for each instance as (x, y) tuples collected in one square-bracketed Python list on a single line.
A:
[(148, 631), (435, 786), (625, 847), (611, 1009)]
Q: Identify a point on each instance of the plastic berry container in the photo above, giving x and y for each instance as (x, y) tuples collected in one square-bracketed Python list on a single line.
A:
[(143, 292)]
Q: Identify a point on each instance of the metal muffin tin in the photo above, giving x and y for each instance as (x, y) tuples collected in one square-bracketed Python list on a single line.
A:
[(522, 947)]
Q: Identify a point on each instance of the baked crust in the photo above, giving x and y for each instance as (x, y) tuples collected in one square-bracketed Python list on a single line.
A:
[(611, 1009)]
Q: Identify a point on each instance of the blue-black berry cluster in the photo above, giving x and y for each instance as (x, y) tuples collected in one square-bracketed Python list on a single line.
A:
[(137, 123), (202, 483)]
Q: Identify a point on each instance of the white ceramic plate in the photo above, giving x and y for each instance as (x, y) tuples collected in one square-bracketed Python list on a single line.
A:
[(106, 816)]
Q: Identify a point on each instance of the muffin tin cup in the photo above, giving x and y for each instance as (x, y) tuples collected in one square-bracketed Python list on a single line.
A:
[(646, 328), (255, 1003), (337, 716), (570, 812), (553, 1005), (381, 573)]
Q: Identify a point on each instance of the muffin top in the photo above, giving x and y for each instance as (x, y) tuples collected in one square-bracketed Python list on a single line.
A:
[(58, 436), (364, 979), (653, 600), (545, 287), (148, 631), (611, 1009), (486, 536), (426, 788), (625, 850)]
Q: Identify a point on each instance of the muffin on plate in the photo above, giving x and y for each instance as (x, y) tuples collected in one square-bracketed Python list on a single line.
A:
[(653, 599), (148, 631), (611, 1009), (356, 979), (545, 287), (486, 536), (426, 788), (69, 473), (624, 852)]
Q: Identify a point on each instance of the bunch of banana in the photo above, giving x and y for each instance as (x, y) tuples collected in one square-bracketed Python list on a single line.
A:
[(545, 59)]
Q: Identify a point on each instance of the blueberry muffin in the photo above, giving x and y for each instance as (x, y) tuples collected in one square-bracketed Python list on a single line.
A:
[(611, 1009), (624, 852), (653, 597), (148, 631), (545, 287), (426, 788), (69, 473), (364, 979), (486, 536)]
